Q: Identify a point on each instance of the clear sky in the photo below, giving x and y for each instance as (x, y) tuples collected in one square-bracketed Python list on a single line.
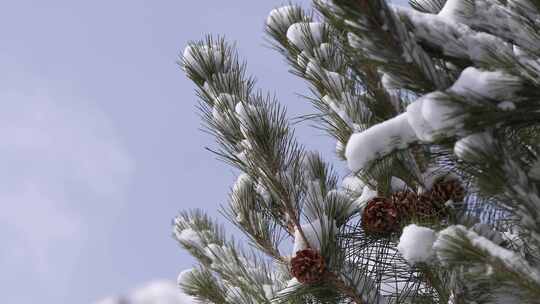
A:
[(99, 139)]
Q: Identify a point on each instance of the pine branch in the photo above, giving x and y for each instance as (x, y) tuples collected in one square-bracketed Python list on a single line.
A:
[(244, 122), (427, 6), (457, 246), (510, 20), (499, 171), (248, 210), (313, 54), (376, 32), (198, 234), (203, 286)]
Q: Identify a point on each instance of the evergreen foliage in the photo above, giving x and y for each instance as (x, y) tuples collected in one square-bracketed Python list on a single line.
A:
[(435, 111)]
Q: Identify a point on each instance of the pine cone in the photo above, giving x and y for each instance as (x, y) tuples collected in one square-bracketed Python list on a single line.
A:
[(380, 216), (424, 207), (308, 266), (443, 191), (410, 204), (404, 202)]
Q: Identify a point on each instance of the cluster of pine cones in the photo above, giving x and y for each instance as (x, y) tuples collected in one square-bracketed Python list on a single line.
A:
[(384, 215)]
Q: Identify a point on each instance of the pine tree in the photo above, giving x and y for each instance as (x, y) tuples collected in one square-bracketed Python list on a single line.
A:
[(435, 110)]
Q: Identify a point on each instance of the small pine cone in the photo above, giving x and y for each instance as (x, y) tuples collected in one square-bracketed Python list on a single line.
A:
[(444, 191), (424, 207), (404, 202), (308, 266), (380, 216)]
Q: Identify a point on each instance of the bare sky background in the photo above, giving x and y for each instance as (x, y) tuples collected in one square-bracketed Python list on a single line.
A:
[(99, 139)]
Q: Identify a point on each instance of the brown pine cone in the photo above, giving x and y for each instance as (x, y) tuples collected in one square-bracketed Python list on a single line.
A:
[(442, 191), (308, 266), (424, 207), (411, 205), (380, 216), (404, 202)]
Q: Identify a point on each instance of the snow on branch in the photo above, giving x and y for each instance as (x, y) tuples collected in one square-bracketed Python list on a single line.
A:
[(316, 233), (453, 39), (280, 16), (204, 239), (496, 85), (416, 244), (315, 53), (378, 141), (457, 245), (306, 34), (205, 60), (377, 33), (507, 20), (432, 117), (280, 19)]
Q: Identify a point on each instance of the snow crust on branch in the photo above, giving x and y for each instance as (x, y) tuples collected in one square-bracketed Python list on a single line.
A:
[(193, 54), (426, 119), (377, 141), (511, 260), (291, 287), (453, 38), (506, 20), (367, 195), (242, 182), (339, 109), (487, 231), (303, 34), (453, 9), (443, 116), (343, 197), (315, 232), (241, 188), (189, 236), (469, 148), (203, 242), (390, 83), (506, 105), (243, 111), (279, 16), (183, 277), (263, 192), (353, 184), (416, 244), (490, 84), (429, 118), (189, 54)]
